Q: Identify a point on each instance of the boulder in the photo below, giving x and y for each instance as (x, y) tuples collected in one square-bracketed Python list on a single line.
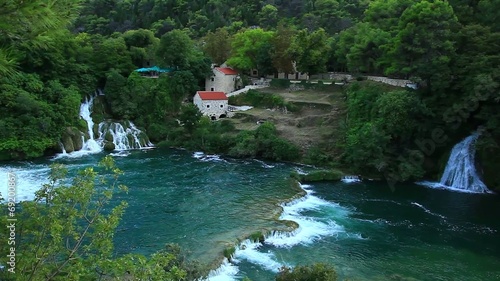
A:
[(77, 140), (109, 146), (67, 142)]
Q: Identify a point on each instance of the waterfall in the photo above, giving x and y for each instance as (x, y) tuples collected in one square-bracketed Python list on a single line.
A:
[(63, 150), (112, 135), (91, 144), (351, 179), (460, 172), (123, 138)]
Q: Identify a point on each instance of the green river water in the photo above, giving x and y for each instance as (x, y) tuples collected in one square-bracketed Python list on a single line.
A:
[(366, 230)]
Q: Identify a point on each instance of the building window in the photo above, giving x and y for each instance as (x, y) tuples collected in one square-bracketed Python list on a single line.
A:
[(212, 79), (212, 89), (233, 78), (221, 106), (208, 106)]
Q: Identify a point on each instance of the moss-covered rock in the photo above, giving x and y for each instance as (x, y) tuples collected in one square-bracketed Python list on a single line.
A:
[(108, 136), (229, 252), (109, 146), (257, 236), (77, 139), (67, 139)]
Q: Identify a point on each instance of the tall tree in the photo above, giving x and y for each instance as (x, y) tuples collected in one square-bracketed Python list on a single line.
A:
[(280, 53), (424, 45), (217, 45), (310, 50), (246, 47), (176, 49)]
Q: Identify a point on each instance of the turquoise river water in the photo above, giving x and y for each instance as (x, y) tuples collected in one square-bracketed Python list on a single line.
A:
[(366, 230)]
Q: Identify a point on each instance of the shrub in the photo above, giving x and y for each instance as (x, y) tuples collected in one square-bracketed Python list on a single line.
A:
[(280, 83)]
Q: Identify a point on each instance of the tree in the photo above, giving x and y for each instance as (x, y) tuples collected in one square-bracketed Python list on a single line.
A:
[(268, 16), (246, 47), (361, 48), (424, 45), (217, 45), (310, 51), (25, 24), (280, 55), (176, 49)]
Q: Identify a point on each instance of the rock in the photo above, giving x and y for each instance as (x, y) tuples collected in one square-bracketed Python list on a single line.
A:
[(77, 141), (108, 136), (96, 130), (67, 142), (109, 146)]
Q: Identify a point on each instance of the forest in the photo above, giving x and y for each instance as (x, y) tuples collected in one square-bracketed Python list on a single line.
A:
[(53, 53)]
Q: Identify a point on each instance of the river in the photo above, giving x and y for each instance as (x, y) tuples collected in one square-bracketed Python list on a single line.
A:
[(366, 230)]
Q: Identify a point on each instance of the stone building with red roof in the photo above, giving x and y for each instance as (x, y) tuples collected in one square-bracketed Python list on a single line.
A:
[(223, 79), (212, 104)]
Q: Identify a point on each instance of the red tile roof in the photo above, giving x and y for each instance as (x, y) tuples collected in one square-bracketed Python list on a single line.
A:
[(227, 70), (205, 95)]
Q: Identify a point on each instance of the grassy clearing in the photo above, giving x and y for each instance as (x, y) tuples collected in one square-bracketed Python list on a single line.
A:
[(315, 121)]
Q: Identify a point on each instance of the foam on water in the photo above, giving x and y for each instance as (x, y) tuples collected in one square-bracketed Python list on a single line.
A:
[(427, 210), (350, 179), (264, 165), (310, 228), (28, 180), (249, 250), (226, 272), (122, 153), (208, 157), (437, 185)]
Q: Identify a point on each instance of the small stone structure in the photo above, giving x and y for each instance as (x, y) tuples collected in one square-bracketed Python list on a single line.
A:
[(212, 104)]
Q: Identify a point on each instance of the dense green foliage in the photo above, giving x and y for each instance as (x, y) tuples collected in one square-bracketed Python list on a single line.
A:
[(449, 48), (381, 128)]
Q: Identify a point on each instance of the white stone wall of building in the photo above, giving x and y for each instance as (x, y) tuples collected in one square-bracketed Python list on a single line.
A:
[(211, 108), (221, 82)]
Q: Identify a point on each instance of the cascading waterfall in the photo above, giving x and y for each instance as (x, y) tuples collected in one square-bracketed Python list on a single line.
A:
[(123, 138), (460, 172), (91, 144)]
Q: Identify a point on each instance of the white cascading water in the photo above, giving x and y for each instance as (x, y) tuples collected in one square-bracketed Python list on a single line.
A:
[(91, 144), (123, 139), (350, 179), (460, 172)]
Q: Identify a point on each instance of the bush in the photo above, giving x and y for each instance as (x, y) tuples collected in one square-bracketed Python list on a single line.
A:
[(264, 142), (280, 83), (316, 272)]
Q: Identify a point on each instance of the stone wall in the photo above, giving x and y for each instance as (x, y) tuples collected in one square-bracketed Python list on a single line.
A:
[(211, 108), (390, 81), (220, 82)]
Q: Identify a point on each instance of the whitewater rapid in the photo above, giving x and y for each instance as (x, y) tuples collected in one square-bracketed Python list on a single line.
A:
[(310, 229)]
